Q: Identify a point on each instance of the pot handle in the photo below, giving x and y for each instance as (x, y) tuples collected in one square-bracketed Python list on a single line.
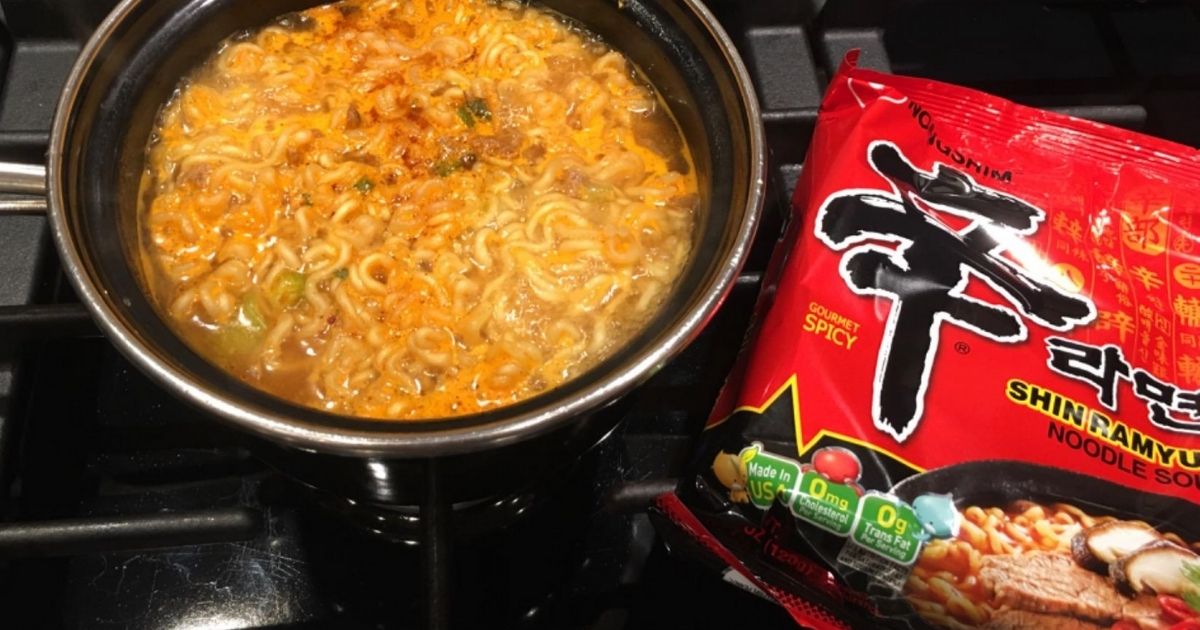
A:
[(28, 181)]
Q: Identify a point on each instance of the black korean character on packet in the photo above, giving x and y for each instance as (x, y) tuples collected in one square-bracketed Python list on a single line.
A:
[(1103, 366), (927, 267), (1188, 402), (1161, 398)]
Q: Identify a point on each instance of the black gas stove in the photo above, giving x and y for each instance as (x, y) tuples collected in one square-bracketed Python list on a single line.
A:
[(122, 508)]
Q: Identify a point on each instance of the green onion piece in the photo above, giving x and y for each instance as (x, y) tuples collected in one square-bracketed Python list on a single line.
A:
[(1191, 571), (235, 340), (364, 185), (342, 274), (465, 115), (443, 168), (250, 312), (479, 108), (244, 334), (288, 288), (1192, 598)]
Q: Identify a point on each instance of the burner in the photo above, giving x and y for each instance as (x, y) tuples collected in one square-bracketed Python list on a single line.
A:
[(466, 521)]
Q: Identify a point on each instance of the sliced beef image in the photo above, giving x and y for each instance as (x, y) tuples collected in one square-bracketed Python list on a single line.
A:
[(1145, 612), (1051, 583), (1025, 620)]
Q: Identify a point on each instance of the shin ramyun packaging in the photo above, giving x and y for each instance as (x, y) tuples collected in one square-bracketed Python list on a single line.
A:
[(972, 396)]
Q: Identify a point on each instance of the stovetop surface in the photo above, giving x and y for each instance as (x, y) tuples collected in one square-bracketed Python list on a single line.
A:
[(122, 508)]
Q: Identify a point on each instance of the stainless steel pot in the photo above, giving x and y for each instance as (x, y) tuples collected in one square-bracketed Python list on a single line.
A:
[(128, 69)]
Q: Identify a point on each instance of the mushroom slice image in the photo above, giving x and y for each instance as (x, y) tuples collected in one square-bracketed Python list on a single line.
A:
[(1159, 567), (1101, 545)]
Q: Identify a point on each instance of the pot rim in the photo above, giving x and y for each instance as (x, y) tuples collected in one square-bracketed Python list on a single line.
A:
[(457, 440)]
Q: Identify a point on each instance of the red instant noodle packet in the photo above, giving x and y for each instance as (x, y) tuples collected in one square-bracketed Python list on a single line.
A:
[(973, 397)]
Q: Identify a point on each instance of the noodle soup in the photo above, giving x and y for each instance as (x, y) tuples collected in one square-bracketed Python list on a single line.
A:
[(1031, 565), (408, 210)]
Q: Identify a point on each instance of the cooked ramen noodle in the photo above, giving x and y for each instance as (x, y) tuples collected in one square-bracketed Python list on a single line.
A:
[(414, 209)]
